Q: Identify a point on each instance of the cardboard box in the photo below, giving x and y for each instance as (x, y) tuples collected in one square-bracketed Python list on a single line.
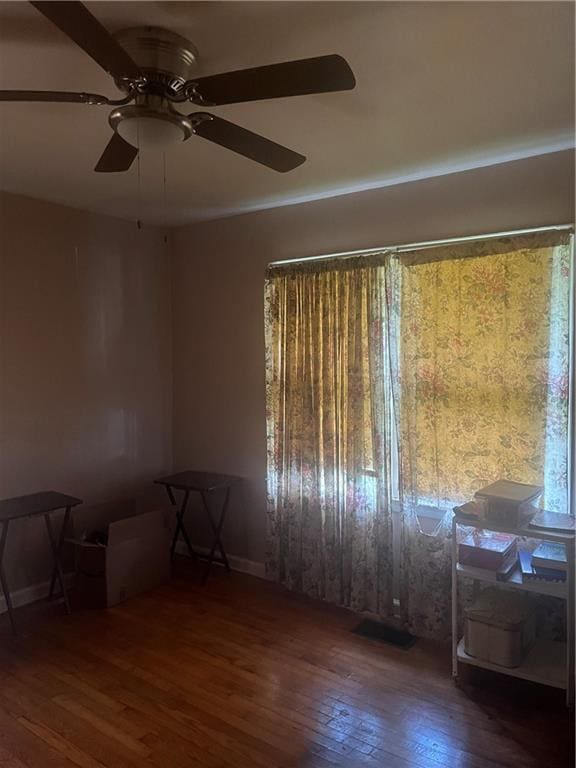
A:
[(134, 558)]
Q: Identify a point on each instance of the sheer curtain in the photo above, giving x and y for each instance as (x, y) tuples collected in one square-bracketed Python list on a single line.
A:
[(329, 423), (484, 363)]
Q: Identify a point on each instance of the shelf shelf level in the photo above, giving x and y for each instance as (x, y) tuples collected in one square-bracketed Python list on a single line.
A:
[(545, 663), (552, 589), (522, 530), (550, 663)]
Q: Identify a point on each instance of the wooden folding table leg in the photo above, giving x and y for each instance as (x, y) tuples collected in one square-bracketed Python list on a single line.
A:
[(57, 564), (175, 537), (217, 531), (60, 547), (3, 581), (180, 523)]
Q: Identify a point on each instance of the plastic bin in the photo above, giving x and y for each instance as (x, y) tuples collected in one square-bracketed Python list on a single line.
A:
[(500, 627)]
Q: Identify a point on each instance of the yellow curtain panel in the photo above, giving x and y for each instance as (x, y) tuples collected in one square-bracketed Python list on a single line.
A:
[(484, 369), (483, 393)]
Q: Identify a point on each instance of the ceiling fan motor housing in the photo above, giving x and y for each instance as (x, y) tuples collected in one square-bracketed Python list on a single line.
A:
[(166, 59)]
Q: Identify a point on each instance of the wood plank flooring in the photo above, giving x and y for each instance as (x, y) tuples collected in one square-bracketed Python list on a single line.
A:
[(242, 674)]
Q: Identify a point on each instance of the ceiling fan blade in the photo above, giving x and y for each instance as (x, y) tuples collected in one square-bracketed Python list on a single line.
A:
[(290, 78), (76, 21), (118, 156), (54, 96), (245, 142)]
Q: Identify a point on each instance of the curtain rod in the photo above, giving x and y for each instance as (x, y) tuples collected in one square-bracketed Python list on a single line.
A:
[(407, 247)]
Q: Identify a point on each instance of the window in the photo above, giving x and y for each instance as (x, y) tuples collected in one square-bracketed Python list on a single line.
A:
[(484, 357), (398, 384)]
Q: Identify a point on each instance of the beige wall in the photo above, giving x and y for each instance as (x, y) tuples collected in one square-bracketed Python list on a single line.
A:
[(85, 362), (218, 274), (86, 333)]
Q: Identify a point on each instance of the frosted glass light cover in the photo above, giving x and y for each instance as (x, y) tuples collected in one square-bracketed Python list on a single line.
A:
[(149, 132)]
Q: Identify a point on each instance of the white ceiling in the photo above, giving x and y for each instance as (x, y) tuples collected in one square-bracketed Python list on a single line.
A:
[(441, 86)]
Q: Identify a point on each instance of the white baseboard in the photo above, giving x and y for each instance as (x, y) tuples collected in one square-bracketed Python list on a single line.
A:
[(32, 594), (36, 592), (236, 563)]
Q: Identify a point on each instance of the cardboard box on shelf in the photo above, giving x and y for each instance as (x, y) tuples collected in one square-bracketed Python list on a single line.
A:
[(119, 553)]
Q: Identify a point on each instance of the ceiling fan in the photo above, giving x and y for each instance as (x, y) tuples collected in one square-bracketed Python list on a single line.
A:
[(155, 69)]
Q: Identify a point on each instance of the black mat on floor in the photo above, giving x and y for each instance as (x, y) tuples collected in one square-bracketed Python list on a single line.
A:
[(374, 630)]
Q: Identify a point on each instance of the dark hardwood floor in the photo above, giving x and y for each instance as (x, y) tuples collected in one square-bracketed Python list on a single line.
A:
[(242, 674)]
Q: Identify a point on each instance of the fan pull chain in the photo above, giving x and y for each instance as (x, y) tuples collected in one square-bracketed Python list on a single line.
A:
[(165, 198), (139, 202)]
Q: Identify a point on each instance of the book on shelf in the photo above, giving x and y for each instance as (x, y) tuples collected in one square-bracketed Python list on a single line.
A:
[(486, 549), (503, 573), (530, 572), (552, 521), (549, 574), (550, 554)]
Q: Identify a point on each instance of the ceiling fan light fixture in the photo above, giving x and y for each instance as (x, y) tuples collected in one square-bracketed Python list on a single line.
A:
[(149, 132), (150, 124)]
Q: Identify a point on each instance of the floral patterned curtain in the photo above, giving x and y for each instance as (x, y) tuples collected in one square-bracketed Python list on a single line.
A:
[(410, 382), (484, 362), (328, 432)]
